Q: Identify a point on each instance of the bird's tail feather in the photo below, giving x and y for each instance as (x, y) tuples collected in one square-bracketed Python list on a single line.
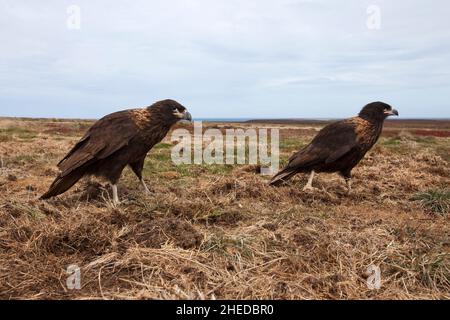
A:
[(283, 176), (62, 184)]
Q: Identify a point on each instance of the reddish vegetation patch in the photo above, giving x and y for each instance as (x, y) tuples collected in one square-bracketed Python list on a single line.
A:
[(60, 129), (432, 133), (390, 133)]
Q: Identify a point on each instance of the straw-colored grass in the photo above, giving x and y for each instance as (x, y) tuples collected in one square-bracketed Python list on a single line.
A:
[(223, 233)]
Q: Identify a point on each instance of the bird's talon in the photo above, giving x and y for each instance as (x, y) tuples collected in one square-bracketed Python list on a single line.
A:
[(115, 203), (312, 189)]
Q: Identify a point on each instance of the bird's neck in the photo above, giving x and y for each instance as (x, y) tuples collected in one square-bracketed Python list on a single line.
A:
[(368, 130), (152, 125), (376, 120)]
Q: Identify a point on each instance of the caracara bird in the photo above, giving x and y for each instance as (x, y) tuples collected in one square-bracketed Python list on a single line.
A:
[(338, 147), (115, 141)]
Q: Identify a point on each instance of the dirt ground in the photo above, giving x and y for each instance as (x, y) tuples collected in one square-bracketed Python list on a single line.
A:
[(220, 232)]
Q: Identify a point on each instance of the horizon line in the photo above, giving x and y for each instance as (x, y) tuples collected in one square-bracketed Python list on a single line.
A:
[(232, 119)]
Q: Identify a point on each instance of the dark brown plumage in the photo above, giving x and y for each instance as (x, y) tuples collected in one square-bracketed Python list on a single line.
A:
[(115, 141), (340, 146)]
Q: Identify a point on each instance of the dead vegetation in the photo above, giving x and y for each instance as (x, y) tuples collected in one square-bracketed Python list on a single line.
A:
[(211, 232)]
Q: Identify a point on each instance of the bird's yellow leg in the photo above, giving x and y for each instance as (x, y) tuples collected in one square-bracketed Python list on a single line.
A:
[(115, 194), (309, 186), (348, 181), (145, 186)]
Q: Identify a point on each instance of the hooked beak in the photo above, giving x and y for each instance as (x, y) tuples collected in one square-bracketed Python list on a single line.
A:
[(187, 116), (392, 112), (183, 116)]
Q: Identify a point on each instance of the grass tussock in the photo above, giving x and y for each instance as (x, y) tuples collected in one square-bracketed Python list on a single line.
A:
[(437, 201)]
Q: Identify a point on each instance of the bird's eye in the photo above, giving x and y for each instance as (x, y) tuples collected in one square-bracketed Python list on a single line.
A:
[(175, 109)]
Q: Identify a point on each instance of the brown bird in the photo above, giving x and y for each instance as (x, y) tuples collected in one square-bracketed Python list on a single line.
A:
[(338, 147), (115, 141)]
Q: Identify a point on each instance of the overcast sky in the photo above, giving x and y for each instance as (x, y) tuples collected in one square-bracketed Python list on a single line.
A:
[(225, 58)]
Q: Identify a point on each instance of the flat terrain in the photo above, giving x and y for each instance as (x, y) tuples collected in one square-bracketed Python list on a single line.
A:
[(221, 232)]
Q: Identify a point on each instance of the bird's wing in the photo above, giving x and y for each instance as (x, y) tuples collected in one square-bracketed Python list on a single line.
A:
[(105, 137), (330, 144)]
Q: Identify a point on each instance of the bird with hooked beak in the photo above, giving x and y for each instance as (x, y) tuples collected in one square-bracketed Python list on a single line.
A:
[(117, 140), (339, 146)]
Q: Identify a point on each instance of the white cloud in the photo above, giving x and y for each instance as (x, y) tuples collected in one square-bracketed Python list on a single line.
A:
[(224, 58)]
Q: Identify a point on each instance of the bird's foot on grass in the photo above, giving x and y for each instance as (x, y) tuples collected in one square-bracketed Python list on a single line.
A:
[(115, 201), (146, 189), (310, 189), (349, 187), (115, 204), (147, 192)]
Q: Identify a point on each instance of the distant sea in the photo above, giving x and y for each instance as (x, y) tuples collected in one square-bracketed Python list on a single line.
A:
[(301, 119), (223, 119), (256, 119)]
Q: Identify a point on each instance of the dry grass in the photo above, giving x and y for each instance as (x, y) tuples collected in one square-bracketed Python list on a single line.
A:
[(222, 232)]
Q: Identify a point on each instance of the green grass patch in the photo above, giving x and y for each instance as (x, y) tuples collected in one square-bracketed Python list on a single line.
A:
[(18, 132), (291, 144), (437, 201), (395, 145), (426, 140), (162, 146), (389, 142), (26, 209), (160, 160), (161, 156)]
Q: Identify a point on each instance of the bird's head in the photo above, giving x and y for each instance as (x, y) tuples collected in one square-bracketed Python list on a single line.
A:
[(171, 111), (377, 111)]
